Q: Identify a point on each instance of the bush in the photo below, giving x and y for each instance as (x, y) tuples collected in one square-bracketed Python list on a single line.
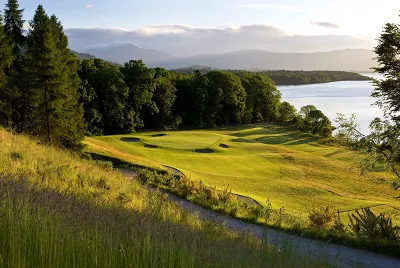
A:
[(366, 224), (326, 132), (321, 217)]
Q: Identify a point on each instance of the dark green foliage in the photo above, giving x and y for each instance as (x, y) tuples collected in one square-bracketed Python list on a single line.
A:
[(164, 98), (14, 25), (217, 98), (105, 96), (387, 90), (366, 224), (141, 84), (310, 119), (6, 56), (287, 112), (286, 77), (51, 68), (16, 109), (227, 98), (191, 100), (263, 99)]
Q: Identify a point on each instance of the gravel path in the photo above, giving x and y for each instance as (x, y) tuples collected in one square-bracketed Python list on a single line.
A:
[(341, 255)]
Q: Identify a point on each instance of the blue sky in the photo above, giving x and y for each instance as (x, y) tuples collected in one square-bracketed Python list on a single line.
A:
[(356, 18)]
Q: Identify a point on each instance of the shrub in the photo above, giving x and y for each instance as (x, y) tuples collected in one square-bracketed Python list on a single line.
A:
[(326, 132), (187, 187), (15, 156), (338, 226), (225, 195), (321, 217), (366, 224)]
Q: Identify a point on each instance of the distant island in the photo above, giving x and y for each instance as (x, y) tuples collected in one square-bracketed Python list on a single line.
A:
[(288, 78)]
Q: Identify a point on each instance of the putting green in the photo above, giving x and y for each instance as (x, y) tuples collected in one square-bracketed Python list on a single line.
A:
[(290, 168)]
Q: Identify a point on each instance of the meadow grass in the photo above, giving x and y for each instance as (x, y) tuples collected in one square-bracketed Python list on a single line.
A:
[(58, 210), (279, 163)]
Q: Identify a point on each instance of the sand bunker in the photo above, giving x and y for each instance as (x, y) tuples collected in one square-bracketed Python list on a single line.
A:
[(204, 151), (151, 146), (159, 135), (130, 139), (224, 146)]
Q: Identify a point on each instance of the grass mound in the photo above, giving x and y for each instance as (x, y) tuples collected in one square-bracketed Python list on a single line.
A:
[(130, 139), (58, 210)]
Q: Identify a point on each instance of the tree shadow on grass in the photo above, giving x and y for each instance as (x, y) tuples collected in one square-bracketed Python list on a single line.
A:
[(110, 228), (275, 136)]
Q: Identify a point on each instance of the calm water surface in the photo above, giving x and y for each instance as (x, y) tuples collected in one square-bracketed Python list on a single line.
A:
[(338, 97)]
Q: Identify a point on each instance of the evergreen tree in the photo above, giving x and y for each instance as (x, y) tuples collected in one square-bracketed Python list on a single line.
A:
[(58, 117), (16, 96), (6, 59), (5, 54), (14, 25)]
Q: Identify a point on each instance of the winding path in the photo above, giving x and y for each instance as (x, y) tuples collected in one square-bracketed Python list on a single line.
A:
[(340, 255)]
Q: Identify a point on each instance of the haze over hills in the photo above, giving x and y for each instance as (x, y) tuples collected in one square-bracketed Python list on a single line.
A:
[(121, 53), (347, 60)]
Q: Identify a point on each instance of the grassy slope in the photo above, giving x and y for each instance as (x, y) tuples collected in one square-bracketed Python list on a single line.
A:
[(57, 210), (277, 163)]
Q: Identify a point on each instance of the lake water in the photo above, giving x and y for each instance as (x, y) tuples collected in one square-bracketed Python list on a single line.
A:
[(345, 97)]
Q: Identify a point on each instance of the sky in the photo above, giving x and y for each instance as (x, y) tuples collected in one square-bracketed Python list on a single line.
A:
[(361, 20)]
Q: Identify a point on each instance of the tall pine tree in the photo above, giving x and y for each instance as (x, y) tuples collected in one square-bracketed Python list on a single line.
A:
[(14, 25), (16, 95), (6, 59), (52, 69)]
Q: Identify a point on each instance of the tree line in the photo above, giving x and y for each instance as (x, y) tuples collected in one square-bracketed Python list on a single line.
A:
[(287, 77), (47, 92)]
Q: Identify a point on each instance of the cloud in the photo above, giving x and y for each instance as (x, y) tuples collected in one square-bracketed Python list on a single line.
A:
[(88, 6), (325, 24), (183, 40), (269, 6)]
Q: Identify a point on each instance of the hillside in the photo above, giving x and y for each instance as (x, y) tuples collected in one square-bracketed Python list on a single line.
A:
[(360, 60), (121, 53), (58, 210), (346, 60)]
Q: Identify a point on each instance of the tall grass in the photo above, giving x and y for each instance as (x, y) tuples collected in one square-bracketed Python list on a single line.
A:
[(57, 210)]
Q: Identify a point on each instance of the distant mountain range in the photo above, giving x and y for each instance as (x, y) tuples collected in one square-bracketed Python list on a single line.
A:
[(361, 60), (122, 53)]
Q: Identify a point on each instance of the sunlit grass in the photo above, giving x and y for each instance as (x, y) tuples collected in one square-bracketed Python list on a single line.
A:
[(58, 210), (290, 168)]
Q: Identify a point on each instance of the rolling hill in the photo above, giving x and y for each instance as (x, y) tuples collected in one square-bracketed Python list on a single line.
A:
[(346, 60), (361, 60), (122, 53)]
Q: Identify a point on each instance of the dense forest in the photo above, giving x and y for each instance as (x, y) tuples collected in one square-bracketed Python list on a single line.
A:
[(286, 77), (48, 92)]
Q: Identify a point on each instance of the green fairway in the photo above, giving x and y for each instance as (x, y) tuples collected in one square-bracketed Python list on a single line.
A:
[(290, 168)]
